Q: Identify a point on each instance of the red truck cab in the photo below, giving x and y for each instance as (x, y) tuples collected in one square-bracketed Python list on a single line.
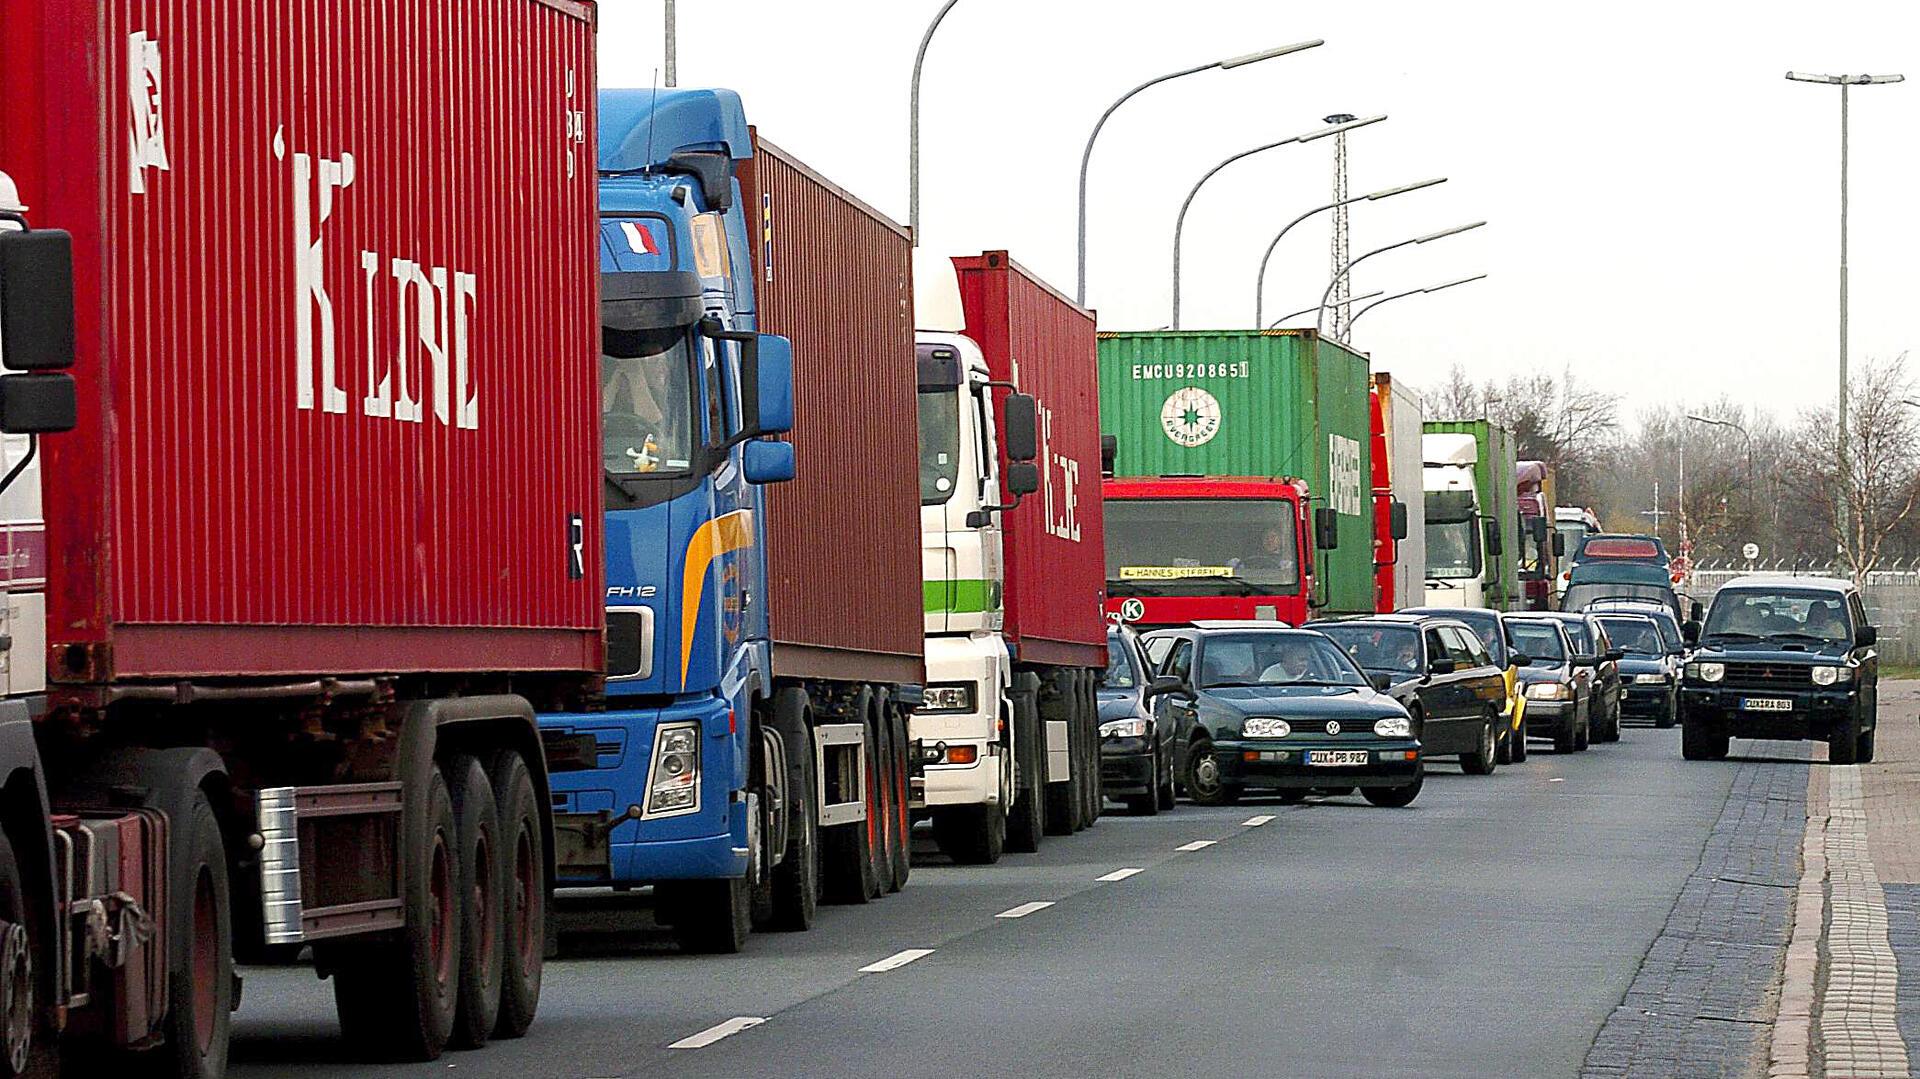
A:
[(1184, 548)]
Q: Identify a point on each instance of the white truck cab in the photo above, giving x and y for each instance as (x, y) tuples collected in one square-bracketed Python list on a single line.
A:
[(1456, 559)]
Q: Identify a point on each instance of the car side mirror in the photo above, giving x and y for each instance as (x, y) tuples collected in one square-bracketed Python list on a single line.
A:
[(1866, 636), (1397, 519), (1023, 478), (1696, 613), (1326, 528), (1162, 685), (1519, 659), (1020, 422), (767, 461), (1584, 660), (1615, 655), (1381, 681), (1690, 629), (1442, 666)]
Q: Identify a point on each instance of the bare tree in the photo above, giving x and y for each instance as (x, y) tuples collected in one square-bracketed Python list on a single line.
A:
[(1876, 488)]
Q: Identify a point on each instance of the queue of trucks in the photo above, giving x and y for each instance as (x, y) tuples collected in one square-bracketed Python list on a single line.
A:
[(350, 615)]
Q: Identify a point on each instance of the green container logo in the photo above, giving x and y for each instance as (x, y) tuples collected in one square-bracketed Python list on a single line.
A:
[(1190, 416)]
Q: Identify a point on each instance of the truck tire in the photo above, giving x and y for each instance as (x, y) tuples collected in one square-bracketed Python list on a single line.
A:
[(1027, 820), (971, 835), (199, 952), (896, 721), (796, 880), (19, 944), (846, 850), (885, 835), (477, 828), (396, 997), (1065, 812), (523, 910), (709, 917)]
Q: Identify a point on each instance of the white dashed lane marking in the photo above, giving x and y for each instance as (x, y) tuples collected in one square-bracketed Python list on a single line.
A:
[(718, 1031), (896, 960), (1255, 822), (1025, 909), (1557, 779), (1118, 874), (1198, 844)]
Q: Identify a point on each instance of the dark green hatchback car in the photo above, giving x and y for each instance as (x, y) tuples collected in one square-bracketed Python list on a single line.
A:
[(1782, 657), (1260, 706)]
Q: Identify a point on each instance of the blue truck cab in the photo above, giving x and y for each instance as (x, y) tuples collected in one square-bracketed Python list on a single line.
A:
[(658, 788)]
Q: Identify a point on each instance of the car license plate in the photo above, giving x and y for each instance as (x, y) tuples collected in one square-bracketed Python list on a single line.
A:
[(1336, 757), (1767, 704)]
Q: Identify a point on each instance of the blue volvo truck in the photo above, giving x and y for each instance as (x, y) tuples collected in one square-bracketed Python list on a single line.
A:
[(739, 774)]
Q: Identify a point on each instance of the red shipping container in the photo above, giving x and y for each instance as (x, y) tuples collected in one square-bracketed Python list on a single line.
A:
[(835, 276), (338, 332), (1037, 339)]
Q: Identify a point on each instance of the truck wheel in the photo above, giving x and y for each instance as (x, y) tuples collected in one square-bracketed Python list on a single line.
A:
[(477, 830), (523, 910), (1701, 741), (886, 837), (200, 952), (709, 917), (21, 1015), (896, 721), (396, 997), (971, 835), (1843, 743), (1027, 820), (846, 865), (796, 880)]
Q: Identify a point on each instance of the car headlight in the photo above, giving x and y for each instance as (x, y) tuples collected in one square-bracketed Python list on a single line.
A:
[(1548, 691), (1265, 727), (1826, 676), (673, 779), (1393, 727), (1132, 727), (1707, 672), (1651, 679), (947, 697)]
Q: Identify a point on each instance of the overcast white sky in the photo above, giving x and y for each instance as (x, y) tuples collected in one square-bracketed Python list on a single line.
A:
[(1662, 202)]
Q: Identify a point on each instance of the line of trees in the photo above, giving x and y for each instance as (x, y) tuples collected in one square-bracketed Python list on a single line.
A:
[(1749, 476)]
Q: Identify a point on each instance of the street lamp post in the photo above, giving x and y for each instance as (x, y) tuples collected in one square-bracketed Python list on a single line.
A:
[(1409, 292), (1180, 221), (1745, 435), (913, 124), (672, 46), (1321, 307), (1320, 326), (1260, 282), (1845, 83), (1086, 156)]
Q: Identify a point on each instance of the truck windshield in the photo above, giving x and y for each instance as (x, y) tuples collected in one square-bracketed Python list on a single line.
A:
[(1189, 547), (1786, 612), (939, 446), (1394, 649), (646, 403), (1453, 549)]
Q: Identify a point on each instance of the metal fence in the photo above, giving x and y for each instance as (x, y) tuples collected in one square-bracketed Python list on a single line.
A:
[(1892, 596)]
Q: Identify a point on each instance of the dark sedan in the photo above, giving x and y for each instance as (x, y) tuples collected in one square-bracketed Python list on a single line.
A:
[(1649, 686), (1438, 670), (1136, 753), (1559, 699), (1597, 661), (1280, 709)]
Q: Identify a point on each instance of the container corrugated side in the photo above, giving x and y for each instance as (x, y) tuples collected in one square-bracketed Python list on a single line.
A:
[(843, 561), (1054, 543), (1345, 426), (338, 331), (1404, 421)]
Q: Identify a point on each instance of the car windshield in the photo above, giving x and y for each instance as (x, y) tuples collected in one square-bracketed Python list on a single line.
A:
[(1120, 673), (1274, 659), (1377, 648), (1580, 635), (1201, 546), (1784, 612), (1538, 642), (645, 401), (1635, 636)]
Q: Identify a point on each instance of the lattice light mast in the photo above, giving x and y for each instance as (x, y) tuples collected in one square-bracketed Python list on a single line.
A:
[(1341, 309)]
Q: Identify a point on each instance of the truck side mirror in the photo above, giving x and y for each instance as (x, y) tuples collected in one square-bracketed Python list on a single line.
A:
[(1559, 544), (37, 404), (1496, 543), (1109, 453), (768, 374), (1023, 478), (36, 300), (1020, 420), (1397, 519), (767, 461), (1326, 529)]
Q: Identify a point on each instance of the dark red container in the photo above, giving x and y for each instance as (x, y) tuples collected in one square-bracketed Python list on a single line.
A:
[(1055, 547), (279, 210), (835, 276)]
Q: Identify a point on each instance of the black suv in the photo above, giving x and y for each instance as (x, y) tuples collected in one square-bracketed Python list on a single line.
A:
[(1782, 657)]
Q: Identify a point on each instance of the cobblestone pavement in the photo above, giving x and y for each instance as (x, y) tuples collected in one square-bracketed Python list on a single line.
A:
[(1703, 999)]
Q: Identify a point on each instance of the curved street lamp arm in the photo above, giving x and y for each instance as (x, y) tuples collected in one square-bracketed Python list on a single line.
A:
[(1275, 324), (1086, 158), (1320, 327), (1260, 282), (1411, 292), (913, 125)]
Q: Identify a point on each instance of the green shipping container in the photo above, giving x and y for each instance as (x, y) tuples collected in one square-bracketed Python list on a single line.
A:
[(1275, 403), (1497, 476)]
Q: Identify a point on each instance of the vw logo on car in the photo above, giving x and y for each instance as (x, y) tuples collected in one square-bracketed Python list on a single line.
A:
[(1333, 726)]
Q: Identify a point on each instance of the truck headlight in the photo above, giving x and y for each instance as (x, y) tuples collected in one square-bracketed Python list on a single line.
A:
[(1707, 672), (673, 777), (1133, 727), (1826, 676), (1393, 727), (947, 697), (1265, 727), (1548, 691)]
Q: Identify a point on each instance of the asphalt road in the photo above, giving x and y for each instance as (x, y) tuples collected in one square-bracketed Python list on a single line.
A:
[(1486, 930)]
